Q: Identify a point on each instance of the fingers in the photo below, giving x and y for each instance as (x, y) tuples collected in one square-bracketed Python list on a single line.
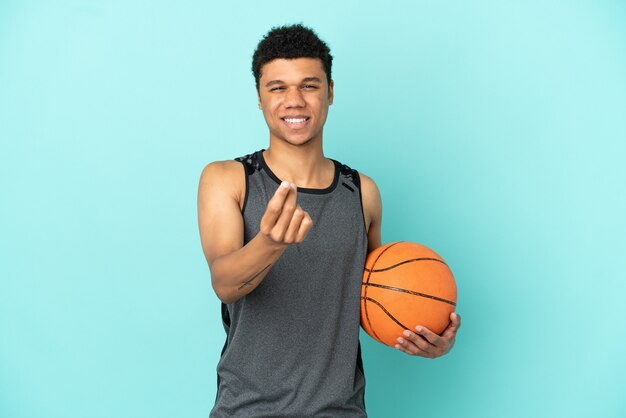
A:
[(275, 205), (305, 227), (412, 350), (294, 225), (284, 221), (288, 210), (299, 226), (416, 345), (453, 327), (428, 335), (425, 343)]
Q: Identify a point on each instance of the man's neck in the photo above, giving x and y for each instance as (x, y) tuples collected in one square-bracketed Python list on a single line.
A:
[(303, 165)]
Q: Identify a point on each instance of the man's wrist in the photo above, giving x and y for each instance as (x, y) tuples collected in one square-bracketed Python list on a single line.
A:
[(270, 244)]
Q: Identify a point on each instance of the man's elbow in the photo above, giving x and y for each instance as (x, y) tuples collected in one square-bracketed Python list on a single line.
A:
[(226, 294)]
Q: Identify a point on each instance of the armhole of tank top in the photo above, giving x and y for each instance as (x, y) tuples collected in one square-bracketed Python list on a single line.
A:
[(358, 186), (247, 186)]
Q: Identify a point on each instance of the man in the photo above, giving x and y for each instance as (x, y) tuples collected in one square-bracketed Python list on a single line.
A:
[(285, 232)]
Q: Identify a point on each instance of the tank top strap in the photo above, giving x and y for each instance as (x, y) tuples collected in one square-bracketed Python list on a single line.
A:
[(349, 177), (250, 162)]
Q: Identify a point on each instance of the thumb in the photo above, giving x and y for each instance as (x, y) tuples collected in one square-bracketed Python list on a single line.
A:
[(453, 327)]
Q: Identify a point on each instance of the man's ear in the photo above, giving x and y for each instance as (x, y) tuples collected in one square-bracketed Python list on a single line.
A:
[(331, 92)]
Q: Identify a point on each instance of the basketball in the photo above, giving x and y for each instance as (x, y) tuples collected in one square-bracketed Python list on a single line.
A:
[(405, 284)]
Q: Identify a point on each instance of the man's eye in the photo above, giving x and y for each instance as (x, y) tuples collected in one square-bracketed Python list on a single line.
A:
[(310, 86), (277, 88)]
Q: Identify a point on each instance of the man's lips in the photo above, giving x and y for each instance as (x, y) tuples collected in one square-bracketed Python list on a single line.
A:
[(296, 122)]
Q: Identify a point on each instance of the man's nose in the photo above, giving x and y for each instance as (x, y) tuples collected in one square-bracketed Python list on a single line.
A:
[(294, 98)]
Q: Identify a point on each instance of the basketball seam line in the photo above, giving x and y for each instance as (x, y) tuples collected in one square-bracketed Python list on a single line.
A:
[(367, 317), (393, 318), (406, 261), (398, 289)]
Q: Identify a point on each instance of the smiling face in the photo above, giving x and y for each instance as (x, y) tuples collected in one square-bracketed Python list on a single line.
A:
[(294, 96)]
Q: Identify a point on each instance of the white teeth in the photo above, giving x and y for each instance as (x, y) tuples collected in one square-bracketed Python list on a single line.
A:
[(294, 120)]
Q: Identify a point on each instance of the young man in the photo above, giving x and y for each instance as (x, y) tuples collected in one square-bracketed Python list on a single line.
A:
[(285, 232)]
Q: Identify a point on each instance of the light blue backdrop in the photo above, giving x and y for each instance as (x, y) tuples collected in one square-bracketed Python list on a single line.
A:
[(495, 131)]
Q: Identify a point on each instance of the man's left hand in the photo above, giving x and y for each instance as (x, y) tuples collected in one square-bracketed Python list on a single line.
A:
[(425, 343)]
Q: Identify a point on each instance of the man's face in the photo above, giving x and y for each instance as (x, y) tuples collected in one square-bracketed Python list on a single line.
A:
[(294, 96)]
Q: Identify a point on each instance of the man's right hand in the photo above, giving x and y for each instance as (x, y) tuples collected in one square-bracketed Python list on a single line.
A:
[(284, 221)]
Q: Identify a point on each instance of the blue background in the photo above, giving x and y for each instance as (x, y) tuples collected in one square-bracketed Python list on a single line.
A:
[(494, 129)]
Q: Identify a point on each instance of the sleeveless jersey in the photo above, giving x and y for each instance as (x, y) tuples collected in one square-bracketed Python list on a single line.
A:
[(292, 346)]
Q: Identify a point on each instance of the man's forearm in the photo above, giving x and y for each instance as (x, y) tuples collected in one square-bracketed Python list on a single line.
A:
[(236, 274)]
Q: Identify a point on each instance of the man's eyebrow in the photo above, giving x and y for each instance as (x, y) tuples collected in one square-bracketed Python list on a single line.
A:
[(271, 83), (304, 80)]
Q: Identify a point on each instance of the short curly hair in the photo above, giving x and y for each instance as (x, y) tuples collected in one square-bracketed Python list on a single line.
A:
[(290, 41)]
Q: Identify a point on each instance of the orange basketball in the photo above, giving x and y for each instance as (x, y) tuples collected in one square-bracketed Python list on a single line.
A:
[(405, 284)]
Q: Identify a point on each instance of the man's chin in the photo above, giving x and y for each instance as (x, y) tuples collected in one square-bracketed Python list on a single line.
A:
[(297, 141)]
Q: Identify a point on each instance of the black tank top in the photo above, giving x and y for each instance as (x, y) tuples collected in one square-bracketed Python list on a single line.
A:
[(292, 347)]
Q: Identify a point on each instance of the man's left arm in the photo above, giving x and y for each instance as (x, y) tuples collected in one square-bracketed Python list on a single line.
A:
[(421, 341)]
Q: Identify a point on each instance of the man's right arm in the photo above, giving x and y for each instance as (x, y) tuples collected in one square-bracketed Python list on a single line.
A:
[(237, 269)]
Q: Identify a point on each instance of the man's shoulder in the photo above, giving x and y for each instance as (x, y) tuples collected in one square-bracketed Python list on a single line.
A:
[(367, 181), (231, 168), (369, 191), (223, 178), (221, 169)]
